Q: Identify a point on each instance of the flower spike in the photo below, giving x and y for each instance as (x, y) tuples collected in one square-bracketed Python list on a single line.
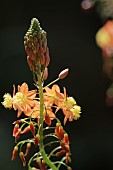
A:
[(40, 128)]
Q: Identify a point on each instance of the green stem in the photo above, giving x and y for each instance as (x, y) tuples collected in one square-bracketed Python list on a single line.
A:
[(60, 162), (31, 160), (41, 146), (51, 83), (54, 150)]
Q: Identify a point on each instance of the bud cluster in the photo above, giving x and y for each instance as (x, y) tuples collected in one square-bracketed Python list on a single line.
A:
[(64, 142), (21, 127), (35, 43)]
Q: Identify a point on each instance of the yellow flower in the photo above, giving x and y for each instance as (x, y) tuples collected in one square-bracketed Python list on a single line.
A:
[(76, 111), (7, 103), (69, 102), (19, 98)]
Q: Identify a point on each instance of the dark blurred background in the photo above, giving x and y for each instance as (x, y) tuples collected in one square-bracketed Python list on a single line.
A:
[(71, 41)]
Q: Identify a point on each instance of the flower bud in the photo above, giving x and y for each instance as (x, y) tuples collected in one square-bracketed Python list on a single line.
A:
[(22, 156), (17, 135), (47, 119), (15, 150), (27, 149), (42, 59), (36, 140), (37, 48), (33, 56), (45, 45), (32, 128), (57, 128), (44, 165), (35, 43), (35, 38), (30, 63), (45, 74), (63, 73), (15, 129), (61, 133), (18, 121), (39, 35), (27, 49), (65, 146), (67, 157), (25, 130), (47, 58), (66, 139), (39, 162), (60, 153)]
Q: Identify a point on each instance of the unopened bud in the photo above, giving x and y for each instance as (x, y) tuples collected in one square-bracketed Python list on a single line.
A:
[(39, 162), (67, 158), (25, 130), (17, 135), (45, 74), (65, 146), (33, 56), (22, 156), (47, 58), (15, 129), (15, 150), (47, 119), (45, 45), (32, 128), (44, 165), (30, 63), (27, 50), (57, 128), (27, 149), (36, 139), (60, 153), (42, 59), (39, 35), (18, 121), (63, 73), (61, 133), (36, 48), (66, 139)]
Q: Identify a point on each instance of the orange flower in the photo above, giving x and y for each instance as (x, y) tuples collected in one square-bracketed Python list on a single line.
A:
[(50, 96), (68, 105), (23, 100), (35, 111)]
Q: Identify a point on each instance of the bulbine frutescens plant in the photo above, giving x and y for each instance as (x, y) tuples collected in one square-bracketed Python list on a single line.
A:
[(40, 106)]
